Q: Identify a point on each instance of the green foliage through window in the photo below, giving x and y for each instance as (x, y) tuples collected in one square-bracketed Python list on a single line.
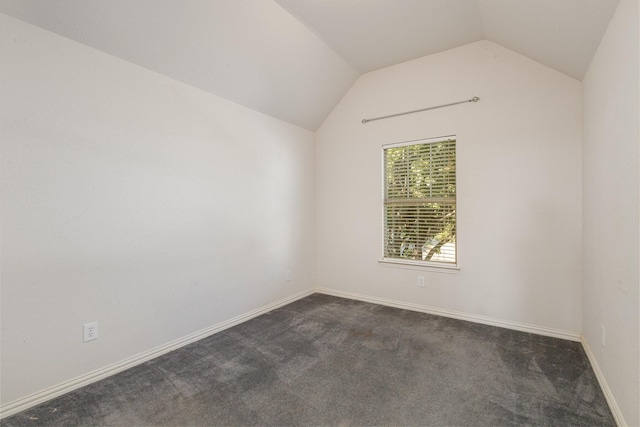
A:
[(420, 201)]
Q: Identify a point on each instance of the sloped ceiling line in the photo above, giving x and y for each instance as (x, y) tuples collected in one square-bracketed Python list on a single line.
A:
[(295, 59)]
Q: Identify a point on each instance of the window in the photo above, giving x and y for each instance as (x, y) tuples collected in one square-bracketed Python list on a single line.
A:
[(420, 202)]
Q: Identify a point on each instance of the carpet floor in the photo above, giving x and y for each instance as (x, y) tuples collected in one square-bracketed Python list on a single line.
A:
[(331, 361)]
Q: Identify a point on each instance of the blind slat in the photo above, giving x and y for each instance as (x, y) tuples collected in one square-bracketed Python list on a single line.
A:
[(420, 202)]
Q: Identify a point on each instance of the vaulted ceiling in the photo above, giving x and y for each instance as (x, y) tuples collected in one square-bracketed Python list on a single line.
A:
[(295, 59)]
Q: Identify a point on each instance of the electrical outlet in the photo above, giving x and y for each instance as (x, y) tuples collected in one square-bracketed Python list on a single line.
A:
[(90, 331), (421, 281), (287, 275), (602, 326)]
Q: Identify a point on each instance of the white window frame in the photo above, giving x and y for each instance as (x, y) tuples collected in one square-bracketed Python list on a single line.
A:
[(406, 263)]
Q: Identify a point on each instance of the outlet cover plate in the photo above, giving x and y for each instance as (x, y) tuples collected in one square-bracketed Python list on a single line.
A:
[(90, 331)]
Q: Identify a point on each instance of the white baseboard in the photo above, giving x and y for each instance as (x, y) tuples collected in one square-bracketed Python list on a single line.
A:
[(608, 395), (551, 332), (524, 327), (91, 377)]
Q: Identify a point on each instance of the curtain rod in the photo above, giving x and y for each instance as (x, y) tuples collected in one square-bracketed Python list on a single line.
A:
[(474, 99)]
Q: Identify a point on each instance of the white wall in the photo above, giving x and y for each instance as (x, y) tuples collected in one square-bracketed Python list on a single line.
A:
[(136, 201), (519, 185), (611, 209)]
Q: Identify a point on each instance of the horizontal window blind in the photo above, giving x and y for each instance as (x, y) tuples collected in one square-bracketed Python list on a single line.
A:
[(420, 201)]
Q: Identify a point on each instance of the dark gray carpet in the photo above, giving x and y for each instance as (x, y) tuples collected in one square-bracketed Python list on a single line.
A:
[(332, 361)]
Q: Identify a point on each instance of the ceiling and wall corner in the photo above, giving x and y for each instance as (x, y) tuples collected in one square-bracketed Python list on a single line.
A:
[(295, 59), (251, 52)]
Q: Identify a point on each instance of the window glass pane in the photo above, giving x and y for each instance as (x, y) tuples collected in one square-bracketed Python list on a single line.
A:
[(420, 202)]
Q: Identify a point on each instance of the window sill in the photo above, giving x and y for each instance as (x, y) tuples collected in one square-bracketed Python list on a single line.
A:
[(419, 265)]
